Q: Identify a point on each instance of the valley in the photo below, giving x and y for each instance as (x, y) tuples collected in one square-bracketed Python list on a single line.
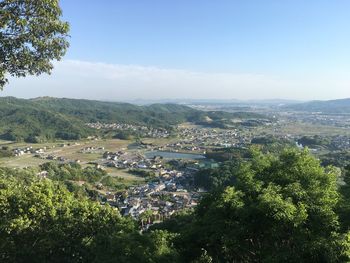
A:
[(143, 165)]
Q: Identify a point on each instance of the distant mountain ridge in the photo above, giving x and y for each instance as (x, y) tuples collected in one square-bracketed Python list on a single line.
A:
[(49, 118), (328, 107), (263, 102)]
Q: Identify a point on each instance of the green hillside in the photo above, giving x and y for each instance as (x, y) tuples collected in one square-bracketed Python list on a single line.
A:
[(93, 111), (48, 118), (23, 120)]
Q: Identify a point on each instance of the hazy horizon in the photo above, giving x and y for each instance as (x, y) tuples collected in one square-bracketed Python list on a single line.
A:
[(182, 100)]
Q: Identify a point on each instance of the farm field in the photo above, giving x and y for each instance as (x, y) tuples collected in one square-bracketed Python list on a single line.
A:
[(71, 150)]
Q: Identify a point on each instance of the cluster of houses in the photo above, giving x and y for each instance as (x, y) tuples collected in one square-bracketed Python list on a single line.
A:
[(128, 160), (40, 152), (53, 157), (318, 118), (28, 150), (142, 131), (169, 194), (199, 139), (329, 120), (91, 149)]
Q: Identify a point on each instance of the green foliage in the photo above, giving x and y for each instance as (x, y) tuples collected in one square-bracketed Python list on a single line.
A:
[(314, 141), (114, 183), (143, 173), (31, 35), (337, 158), (278, 209), (223, 120), (124, 135), (72, 171), (176, 223), (204, 258), (271, 140), (272, 144), (40, 221), (78, 190), (344, 206), (111, 112), (5, 152), (211, 179), (24, 120), (268, 208), (227, 154)]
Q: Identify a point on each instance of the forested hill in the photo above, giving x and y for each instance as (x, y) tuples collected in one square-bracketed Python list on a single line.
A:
[(93, 111), (329, 106), (53, 118)]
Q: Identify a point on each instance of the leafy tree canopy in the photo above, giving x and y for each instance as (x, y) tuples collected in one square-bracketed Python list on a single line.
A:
[(278, 209), (40, 221), (31, 36)]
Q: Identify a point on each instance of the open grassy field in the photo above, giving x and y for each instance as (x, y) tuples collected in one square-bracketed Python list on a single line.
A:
[(3, 142), (123, 173), (108, 144), (190, 125), (68, 150), (125, 179), (160, 141), (21, 161), (71, 151)]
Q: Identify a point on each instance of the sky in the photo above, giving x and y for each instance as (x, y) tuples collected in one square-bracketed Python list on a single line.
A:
[(200, 49)]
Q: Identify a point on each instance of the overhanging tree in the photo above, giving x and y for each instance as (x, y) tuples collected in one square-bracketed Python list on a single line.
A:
[(31, 36)]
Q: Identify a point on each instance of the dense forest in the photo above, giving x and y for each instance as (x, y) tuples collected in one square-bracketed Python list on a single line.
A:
[(48, 118), (281, 207)]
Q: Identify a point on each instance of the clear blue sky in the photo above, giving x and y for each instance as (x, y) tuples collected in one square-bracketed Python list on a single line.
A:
[(292, 43), (220, 35)]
